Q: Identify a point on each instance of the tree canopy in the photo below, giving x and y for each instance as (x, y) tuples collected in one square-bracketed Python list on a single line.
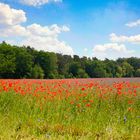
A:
[(26, 62)]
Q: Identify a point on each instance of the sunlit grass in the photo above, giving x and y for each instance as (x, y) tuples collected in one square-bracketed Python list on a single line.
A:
[(69, 110)]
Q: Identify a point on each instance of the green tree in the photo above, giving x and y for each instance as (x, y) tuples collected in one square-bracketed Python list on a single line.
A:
[(134, 62), (119, 72), (63, 64), (96, 69), (48, 62), (24, 63), (137, 74), (127, 69), (74, 68), (111, 67), (7, 61), (37, 72), (82, 74)]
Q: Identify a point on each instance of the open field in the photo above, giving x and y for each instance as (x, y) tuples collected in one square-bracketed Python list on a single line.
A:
[(72, 109)]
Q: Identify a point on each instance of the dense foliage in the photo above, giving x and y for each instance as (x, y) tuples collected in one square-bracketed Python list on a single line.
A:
[(26, 62)]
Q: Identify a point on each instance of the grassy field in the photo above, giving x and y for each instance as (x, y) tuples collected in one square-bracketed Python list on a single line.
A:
[(77, 109)]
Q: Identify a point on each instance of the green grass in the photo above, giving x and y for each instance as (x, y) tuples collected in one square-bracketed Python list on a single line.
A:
[(34, 118)]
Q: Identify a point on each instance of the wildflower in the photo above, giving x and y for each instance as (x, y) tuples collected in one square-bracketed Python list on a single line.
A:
[(91, 101), (83, 89), (72, 102), (130, 102), (88, 105), (78, 105), (125, 119), (129, 109)]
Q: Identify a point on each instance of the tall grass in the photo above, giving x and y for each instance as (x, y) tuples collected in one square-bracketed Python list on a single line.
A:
[(70, 111)]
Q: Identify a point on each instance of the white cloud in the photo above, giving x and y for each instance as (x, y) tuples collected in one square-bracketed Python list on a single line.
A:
[(134, 23), (37, 2), (104, 47), (37, 36), (111, 50), (10, 17), (85, 49), (46, 38), (53, 30), (48, 44), (14, 31), (132, 39), (113, 46)]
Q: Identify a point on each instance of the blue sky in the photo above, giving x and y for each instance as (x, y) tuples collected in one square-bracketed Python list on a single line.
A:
[(89, 23)]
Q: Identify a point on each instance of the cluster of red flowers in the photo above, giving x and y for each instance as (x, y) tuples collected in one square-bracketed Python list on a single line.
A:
[(78, 91)]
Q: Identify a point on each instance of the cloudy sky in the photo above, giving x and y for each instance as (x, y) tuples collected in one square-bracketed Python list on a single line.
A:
[(94, 28)]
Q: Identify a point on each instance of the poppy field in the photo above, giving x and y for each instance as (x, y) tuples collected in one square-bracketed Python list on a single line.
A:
[(72, 109)]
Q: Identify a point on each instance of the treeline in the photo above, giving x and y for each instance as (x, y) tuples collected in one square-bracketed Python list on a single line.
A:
[(26, 62)]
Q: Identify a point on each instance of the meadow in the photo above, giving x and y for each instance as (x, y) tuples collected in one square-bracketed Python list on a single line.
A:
[(72, 109)]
